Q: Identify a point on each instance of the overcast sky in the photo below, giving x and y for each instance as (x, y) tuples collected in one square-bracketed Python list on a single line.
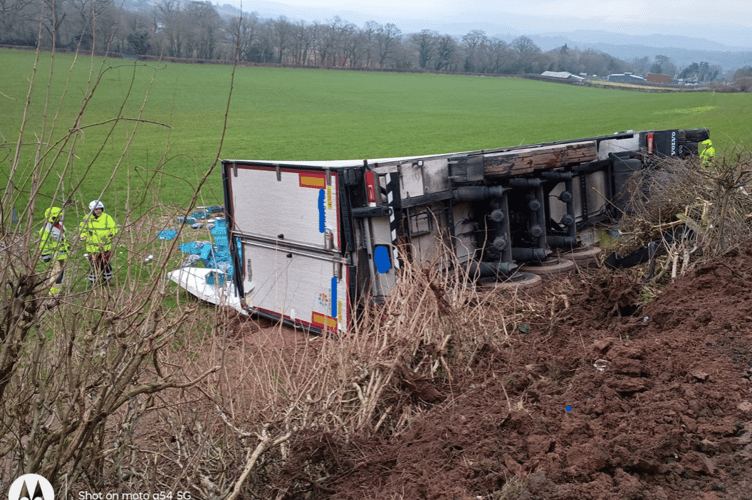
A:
[(724, 21), (690, 10)]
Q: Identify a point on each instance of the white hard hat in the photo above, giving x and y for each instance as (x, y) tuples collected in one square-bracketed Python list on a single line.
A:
[(96, 204)]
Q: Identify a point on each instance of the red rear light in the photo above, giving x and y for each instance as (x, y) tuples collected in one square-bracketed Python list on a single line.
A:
[(651, 138), (370, 187)]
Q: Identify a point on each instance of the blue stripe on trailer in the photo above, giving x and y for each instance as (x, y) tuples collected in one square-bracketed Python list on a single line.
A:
[(322, 211), (334, 297)]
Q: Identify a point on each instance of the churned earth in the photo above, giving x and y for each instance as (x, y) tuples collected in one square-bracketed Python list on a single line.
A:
[(617, 400)]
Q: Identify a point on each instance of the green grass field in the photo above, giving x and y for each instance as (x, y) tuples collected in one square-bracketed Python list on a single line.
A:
[(298, 114)]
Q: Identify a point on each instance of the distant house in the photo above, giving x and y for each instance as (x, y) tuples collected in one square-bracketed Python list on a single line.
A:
[(562, 75), (653, 78), (625, 78)]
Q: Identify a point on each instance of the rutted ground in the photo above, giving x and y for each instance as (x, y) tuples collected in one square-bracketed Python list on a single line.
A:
[(669, 416)]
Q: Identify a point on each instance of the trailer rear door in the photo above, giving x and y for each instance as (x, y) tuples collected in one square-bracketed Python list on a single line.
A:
[(287, 228)]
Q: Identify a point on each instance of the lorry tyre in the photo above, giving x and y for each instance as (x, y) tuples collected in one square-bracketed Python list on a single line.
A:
[(517, 281), (584, 256), (549, 267)]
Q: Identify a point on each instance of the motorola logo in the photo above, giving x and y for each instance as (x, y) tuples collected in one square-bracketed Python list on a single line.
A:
[(31, 487)]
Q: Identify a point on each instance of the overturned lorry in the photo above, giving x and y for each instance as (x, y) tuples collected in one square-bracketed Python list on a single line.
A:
[(310, 240)]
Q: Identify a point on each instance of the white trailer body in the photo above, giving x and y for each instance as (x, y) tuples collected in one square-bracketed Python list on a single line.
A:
[(287, 223)]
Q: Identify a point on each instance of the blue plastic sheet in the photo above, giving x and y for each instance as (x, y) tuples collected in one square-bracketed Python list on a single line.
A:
[(194, 247), (206, 252), (167, 234), (220, 228), (216, 278), (210, 254)]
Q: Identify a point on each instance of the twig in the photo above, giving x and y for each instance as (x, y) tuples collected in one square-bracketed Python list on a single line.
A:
[(265, 444)]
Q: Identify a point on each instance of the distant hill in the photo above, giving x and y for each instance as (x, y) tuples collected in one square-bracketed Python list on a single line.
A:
[(682, 50), (621, 39)]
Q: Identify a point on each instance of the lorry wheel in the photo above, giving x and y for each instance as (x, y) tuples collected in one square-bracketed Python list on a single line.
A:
[(584, 256), (518, 281), (549, 267)]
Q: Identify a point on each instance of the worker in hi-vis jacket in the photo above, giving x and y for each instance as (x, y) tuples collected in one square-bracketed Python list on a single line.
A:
[(707, 152), (54, 248), (98, 230)]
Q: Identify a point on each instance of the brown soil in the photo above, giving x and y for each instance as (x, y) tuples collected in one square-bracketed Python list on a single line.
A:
[(668, 417)]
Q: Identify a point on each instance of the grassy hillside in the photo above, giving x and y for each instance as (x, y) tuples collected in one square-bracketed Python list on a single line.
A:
[(305, 114)]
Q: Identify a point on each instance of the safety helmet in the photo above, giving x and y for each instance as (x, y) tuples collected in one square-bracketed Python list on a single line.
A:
[(52, 213), (96, 204)]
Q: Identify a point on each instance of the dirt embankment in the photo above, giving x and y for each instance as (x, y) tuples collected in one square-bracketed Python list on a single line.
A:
[(616, 400)]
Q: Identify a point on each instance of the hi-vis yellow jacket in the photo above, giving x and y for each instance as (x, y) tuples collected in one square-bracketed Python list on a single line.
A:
[(52, 237), (707, 152), (98, 232)]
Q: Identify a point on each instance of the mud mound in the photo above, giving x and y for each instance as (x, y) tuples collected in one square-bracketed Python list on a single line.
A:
[(616, 400)]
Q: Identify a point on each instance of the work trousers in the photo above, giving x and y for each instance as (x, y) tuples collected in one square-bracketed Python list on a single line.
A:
[(55, 282), (99, 264)]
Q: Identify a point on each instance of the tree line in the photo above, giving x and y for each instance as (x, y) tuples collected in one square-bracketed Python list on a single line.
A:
[(202, 30)]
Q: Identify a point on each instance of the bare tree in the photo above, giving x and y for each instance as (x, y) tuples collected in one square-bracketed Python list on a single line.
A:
[(54, 13), (425, 44), (203, 29), (526, 52), (369, 38), (301, 43), (387, 37), (473, 44), (339, 43), (446, 48), (283, 36), (716, 72), (330, 41), (704, 71), (641, 66), (353, 45), (138, 33), (170, 23), (593, 62), (499, 56), (247, 33), (663, 66), (16, 20), (88, 19), (262, 50), (745, 72)]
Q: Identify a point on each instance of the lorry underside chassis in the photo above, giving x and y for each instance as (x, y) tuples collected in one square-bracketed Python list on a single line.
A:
[(310, 240)]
